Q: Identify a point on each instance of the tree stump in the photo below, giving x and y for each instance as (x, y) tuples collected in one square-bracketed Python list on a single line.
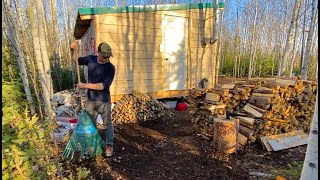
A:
[(225, 135)]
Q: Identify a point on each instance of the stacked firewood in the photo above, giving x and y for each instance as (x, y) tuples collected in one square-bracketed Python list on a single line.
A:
[(285, 105), (263, 106), (138, 107)]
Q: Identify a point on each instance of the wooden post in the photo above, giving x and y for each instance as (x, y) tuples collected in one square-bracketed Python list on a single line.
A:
[(225, 136)]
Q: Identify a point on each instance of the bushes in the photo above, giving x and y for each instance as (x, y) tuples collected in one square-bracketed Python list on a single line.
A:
[(26, 150), (267, 65)]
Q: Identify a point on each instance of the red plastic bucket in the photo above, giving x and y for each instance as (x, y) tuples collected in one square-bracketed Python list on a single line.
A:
[(182, 106)]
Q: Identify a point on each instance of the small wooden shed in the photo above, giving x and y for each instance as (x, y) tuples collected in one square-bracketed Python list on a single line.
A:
[(157, 49)]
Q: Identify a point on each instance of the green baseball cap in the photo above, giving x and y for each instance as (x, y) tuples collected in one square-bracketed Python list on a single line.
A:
[(105, 49)]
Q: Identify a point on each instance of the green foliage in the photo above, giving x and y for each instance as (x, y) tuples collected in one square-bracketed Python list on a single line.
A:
[(25, 140), (292, 171), (10, 68), (82, 173), (227, 65), (266, 66), (312, 73), (65, 77)]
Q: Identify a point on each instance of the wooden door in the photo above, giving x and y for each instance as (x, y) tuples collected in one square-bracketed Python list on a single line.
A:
[(175, 52)]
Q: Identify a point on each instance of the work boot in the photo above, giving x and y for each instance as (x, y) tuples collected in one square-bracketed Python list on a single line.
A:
[(109, 151)]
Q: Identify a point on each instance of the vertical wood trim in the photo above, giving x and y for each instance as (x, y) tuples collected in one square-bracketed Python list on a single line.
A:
[(214, 58), (162, 53), (189, 51), (97, 30)]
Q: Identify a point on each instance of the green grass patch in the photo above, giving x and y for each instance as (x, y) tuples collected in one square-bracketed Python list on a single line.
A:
[(292, 171)]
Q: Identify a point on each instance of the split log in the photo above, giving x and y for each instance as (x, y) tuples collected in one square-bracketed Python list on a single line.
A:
[(229, 86), (242, 139), (246, 121), (252, 111), (211, 97), (245, 131), (265, 90), (283, 83)]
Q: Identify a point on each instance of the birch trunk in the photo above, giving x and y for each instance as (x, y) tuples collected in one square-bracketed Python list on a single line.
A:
[(284, 58), (56, 42), (252, 41), (305, 64), (38, 59), (14, 38), (295, 38), (43, 47), (219, 47), (310, 165), (30, 67), (303, 36), (69, 54)]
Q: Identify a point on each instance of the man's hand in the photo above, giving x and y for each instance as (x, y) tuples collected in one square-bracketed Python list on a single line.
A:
[(74, 50), (81, 86)]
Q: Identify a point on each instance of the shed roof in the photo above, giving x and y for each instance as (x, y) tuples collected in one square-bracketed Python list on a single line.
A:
[(84, 16)]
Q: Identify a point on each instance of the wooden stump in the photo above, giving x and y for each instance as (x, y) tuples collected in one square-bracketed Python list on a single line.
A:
[(225, 135)]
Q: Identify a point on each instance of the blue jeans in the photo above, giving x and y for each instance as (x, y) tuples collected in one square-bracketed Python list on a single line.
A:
[(94, 108)]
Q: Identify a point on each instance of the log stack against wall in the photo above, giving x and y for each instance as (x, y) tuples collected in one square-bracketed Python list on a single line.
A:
[(138, 107), (271, 106)]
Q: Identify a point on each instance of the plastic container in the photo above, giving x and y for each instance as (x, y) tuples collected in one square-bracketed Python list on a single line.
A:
[(61, 135), (182, 106), (69, 123)]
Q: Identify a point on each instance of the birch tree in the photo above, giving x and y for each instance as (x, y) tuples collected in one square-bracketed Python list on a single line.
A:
[(304, 72), (219, 44), (38, 58), (43, 46), (14, 38), (252, 41), (284, 58), (56, 40), (295, 43), (303, 35)]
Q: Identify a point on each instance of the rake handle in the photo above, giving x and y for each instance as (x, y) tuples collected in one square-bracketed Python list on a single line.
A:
[(78, 74), (74, 50)]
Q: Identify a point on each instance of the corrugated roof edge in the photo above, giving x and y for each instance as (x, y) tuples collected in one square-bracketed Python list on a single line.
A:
[(145, 8)]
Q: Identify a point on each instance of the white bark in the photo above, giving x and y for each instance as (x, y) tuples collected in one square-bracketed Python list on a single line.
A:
[(14, 38), (252, 41), (303, 35), (43, 46), (305, 63), (295, 49), (284, 58), (219, 45), (39, 63), (310, 165)]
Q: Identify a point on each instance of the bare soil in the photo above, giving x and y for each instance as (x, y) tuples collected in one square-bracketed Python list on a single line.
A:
[(166, 148)]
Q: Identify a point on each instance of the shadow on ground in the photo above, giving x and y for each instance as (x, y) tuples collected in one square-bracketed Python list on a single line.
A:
[(167, 149)]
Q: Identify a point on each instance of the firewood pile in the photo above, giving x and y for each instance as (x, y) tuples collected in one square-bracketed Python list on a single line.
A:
[(286, 105), (131, 108), (263, 107), (138, 107)]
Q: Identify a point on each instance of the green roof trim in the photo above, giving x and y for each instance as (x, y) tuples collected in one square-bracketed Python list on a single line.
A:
[(221, 5), (145, 8)]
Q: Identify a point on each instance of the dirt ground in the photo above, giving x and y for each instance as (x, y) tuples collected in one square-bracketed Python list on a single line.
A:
[(167, 149)]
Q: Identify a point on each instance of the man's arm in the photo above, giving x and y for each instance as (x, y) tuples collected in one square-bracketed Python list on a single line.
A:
[(93, 86), (99, 86)]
